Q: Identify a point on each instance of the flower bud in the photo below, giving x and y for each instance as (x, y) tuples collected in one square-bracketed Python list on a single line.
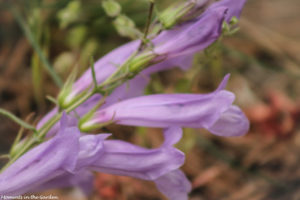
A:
[(139, 62), (126, 27), (111, 7), (64, 97), (174, 13)]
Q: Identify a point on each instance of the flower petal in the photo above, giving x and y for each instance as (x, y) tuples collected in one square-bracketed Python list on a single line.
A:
[(234, 7), (187, 110), (91, 148), (174, 185), (41, 163), (192, 36), (232, 122), (132, 88), (122, 158), (82, 179), (105, 66)]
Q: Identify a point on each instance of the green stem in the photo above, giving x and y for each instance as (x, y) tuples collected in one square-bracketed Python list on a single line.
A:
[(144, 40), (17, 120), (117, 72), (93, 71), (36, 47), (18, 138)]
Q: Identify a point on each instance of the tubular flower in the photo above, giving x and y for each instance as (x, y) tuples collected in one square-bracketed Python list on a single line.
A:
[(47, 160), (69, 158), (212, 111), (192, 36), (175, 47)]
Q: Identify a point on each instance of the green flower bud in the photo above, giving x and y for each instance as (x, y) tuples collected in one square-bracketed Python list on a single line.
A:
[(173, 14), (139, 62), (126, 27), (111, 7), (64, 97)]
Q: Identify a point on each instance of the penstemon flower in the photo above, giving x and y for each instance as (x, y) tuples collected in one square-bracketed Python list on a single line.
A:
[(212, 111), (175, 47), (69, 156), (68, 159)]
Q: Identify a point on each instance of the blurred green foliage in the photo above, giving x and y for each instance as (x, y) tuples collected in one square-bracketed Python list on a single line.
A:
[(111, 7)]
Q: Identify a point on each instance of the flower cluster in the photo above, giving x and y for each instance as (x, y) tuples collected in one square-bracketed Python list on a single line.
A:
[(70, 156)]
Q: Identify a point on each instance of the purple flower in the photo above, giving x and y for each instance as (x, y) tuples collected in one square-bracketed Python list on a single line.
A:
[(68, 159), (192, 36), (174, 185), (198, 33), (212, 111), (234, 8), (46, 161), (122, 158), (132, 88), (176, 46), (104, 67)]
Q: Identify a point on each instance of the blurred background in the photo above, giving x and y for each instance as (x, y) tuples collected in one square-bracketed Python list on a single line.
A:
[(262, 57)]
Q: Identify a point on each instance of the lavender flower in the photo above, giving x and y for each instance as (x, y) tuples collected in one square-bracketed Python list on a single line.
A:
[(234, 8), (212, 111), (198, 33), (67, 159), (123, 158), (132, 88), (175, 46), (185, 39), (50, 159), (174, 185), (192, 36)]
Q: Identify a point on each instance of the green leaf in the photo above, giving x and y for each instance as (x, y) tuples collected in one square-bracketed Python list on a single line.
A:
[(31, 38)]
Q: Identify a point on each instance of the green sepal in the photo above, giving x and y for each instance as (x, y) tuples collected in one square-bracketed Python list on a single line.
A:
[(63, 98), (89, 116), (139, 62), (173, 14)]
